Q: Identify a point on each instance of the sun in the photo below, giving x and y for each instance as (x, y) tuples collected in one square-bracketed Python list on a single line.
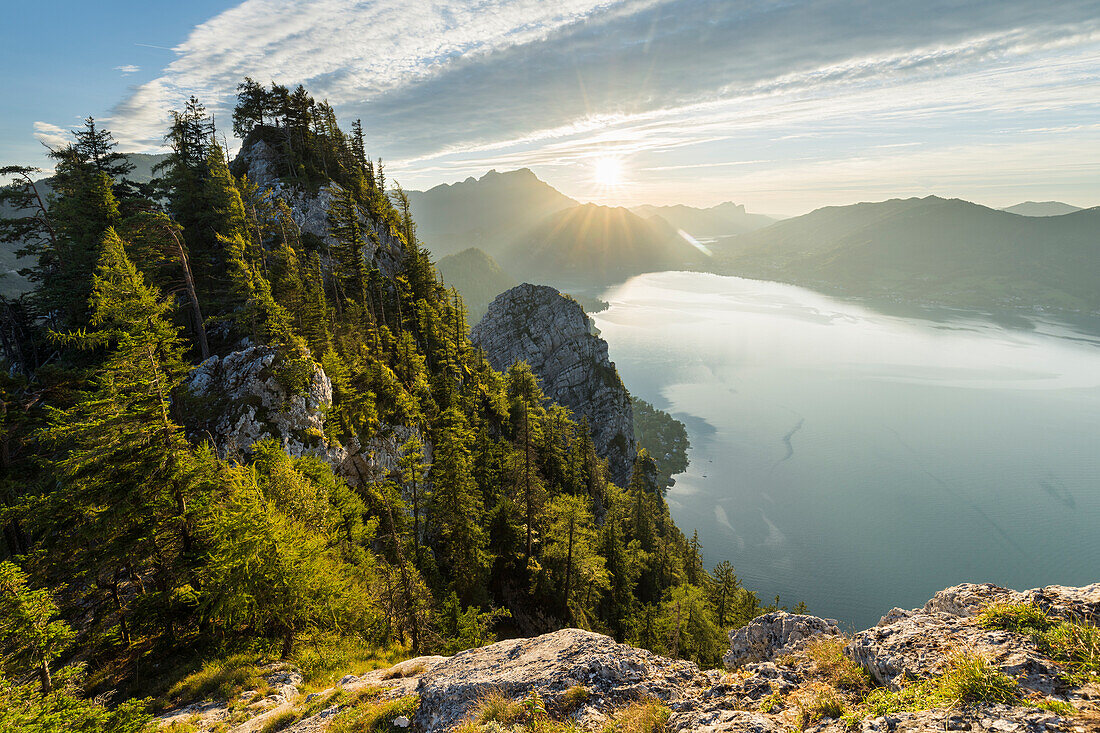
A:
[(607, 172)]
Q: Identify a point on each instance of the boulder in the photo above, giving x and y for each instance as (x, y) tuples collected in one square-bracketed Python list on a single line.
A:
[(918, 644), (773, 635), (552, 333), (613, 673)]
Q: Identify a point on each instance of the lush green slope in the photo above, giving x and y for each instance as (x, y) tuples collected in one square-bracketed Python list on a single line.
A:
[(478, 278), (930, 250)]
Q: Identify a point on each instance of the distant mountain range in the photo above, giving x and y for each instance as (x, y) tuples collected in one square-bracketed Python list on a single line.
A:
[(539, 234), (718, 221), (931, 250), (1042, 208), (489, 213)]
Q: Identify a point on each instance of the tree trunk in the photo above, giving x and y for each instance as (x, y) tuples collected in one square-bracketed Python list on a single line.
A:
[(288, 643)]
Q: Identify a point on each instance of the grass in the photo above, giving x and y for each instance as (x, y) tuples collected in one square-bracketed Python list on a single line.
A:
[(574, 697), (1076, 646), (220, 679), (496, 707), (279, 722), (970, 678), (1022, 618), (646, 716), (825, 702), (1073, 644), (827, 655), (374, 716), (771, 703), (325, 658)]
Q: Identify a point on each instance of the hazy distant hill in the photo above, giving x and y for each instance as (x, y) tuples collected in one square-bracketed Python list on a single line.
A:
[(597, 245), (478, 278), (718, 221), (488, 212), (930, 250), (1042, 208)]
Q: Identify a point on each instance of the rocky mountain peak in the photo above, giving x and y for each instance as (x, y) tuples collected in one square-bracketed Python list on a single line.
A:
[(552, 333)]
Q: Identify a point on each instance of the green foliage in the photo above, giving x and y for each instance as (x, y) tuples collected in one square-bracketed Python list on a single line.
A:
[(1021, 618), (26, 709), (662, 436), (31, 636), (218, 679), (375, 716), (1074, 644), (970, 678)]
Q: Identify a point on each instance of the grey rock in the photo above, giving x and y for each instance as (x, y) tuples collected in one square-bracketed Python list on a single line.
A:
[(920, 643), (243, 402), (347, 680), (552, 333), (548, 665), (774, 634)]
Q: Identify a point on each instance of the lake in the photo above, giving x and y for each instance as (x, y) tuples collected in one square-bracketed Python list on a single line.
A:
[(859, 461)]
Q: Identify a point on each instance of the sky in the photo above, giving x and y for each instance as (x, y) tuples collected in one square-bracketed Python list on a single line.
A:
[(783, 105)]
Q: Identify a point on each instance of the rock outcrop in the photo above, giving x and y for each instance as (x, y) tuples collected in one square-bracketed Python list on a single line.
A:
[(773, 635), (243, 401), (550, 331), (309, 209), (917, 644), (612, 673), (804, 664), (242, 398)]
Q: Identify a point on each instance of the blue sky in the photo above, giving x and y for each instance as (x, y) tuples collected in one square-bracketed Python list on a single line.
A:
[(784, 105)]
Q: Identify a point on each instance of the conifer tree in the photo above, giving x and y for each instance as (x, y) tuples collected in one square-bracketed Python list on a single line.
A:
[(31, 635)]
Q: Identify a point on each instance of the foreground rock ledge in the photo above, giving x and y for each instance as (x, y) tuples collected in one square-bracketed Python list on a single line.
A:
[(772, 662)]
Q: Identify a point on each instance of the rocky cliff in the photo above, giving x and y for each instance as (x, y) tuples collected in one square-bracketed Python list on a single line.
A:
[(962, 662), (242, 398), (550, 331)]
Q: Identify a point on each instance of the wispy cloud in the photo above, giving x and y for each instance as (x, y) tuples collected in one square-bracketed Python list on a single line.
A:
[(50, 134), (682, 88), (128, 69)]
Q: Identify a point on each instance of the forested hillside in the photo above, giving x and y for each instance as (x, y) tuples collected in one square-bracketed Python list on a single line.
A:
[(162, 548)]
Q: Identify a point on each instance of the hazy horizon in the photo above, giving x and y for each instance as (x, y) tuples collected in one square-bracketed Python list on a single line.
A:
[(782, 107)]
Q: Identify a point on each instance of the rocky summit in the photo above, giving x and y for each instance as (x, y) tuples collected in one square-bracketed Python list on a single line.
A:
[(552, 333), (784, 672)]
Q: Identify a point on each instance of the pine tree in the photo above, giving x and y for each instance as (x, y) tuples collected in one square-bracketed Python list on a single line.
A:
[(31, 636)]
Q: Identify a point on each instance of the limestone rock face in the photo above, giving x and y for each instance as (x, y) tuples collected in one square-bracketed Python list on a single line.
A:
[(537, 324), (260, 162), (773, 635), (242, 401), (918, 644), (245, 402), (549, 665)]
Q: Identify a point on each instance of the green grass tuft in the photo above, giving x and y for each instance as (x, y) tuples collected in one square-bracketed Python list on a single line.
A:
[(970, 678), (1022, 618)]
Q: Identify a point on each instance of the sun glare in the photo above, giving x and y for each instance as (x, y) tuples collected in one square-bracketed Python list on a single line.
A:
[(607, 172)]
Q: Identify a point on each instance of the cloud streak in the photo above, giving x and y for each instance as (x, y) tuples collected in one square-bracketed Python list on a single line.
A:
[(677, 87)]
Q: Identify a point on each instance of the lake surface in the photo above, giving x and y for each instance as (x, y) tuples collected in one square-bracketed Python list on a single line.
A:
[(859, 461)]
